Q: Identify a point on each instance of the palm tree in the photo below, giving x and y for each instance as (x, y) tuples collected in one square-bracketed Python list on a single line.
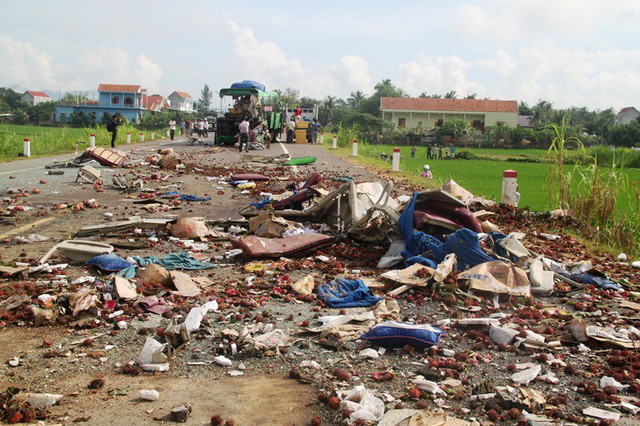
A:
[(383, 83), (423, 95), (356, 98), (329, 103), (451, 95), (471, 96)]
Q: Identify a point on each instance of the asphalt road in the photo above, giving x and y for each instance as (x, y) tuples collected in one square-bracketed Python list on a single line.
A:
[(27, 173)]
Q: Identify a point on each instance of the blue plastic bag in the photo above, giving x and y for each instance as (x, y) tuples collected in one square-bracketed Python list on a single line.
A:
[(109, 262), (393, 334), (344, 293)]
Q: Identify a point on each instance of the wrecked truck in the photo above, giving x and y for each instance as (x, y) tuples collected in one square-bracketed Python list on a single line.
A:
[(251, 100)]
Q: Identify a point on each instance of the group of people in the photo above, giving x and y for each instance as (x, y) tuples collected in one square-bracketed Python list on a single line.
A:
[(311, 131), (189, 127), (435, 152)]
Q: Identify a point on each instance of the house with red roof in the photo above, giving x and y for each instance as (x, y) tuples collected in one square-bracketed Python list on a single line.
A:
[(627, 115), (34, 98), (155, 103), (431, 112), (181, 101), (129, 100)]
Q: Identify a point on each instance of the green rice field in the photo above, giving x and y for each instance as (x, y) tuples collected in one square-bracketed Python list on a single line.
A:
[(56, 140), (483, 177)]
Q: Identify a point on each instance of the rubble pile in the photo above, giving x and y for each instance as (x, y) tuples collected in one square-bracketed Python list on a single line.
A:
[(399, 306)]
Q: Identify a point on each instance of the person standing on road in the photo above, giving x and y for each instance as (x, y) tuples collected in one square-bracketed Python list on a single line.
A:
[(201, 127), (172, 128), (291, 126), (112, 126), (244, 135), (314, 131), (182, 125)]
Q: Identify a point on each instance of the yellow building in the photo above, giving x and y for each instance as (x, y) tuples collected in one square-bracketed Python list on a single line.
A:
[(430, 113)]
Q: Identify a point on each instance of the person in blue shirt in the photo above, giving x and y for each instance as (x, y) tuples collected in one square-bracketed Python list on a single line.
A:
[(314, 126), (453, 151)]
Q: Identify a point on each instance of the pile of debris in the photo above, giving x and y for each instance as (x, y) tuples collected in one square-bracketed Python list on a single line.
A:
[(398, 308)]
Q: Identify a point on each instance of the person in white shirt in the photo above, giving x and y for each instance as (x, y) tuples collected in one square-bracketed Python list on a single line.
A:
[(172, 128), (244, 135), (201, 127), (291, 126)]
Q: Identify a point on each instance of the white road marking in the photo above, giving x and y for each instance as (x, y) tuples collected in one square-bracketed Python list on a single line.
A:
[(21, 170), (295, 168)]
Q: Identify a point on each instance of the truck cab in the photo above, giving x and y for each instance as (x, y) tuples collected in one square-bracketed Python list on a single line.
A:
[(247, 100)]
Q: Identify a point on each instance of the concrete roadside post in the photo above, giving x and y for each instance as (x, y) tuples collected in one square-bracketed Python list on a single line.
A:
[(141, 137), (27, 148), (321, 138), (93, 139), (128, 137), (354, 151), (395, 160), (510, 194), (167, 133), (335, 142), (153, 136)]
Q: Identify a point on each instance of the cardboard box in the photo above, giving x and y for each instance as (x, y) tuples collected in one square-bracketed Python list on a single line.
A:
[(301, 136)]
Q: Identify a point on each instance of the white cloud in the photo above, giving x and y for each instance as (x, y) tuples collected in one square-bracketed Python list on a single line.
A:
[(23, 64), (566, 77), (148, 73), (354, 71), (437, 76), (269, 64), (34, 69)]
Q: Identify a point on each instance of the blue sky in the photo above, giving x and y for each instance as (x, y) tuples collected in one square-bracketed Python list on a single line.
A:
[(569, 52)]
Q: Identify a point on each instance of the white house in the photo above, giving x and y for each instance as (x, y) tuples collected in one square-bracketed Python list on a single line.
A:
[(627, 115), (432, 112), (34, 98), (181, 101)]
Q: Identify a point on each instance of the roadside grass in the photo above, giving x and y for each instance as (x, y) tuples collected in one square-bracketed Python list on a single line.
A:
[(58, 140), (481, 177)]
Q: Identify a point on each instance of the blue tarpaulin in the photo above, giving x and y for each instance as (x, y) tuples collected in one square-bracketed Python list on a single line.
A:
[(464, 242), (344, 293), (249, 84)]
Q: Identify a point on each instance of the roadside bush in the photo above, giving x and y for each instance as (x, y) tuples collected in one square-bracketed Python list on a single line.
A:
[(464, 154)]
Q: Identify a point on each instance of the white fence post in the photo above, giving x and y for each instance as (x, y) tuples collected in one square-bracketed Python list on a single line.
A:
[(93, 139), (128, 137), (354, 151), (27, 148), (335, 141), (141, 137), (510, 194), (395, 160)]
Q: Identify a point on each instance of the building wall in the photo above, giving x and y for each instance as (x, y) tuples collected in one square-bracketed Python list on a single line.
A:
[(120, 100), (133, 115), (628, 116), (430, 119), (181, 104), (33, 100)]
